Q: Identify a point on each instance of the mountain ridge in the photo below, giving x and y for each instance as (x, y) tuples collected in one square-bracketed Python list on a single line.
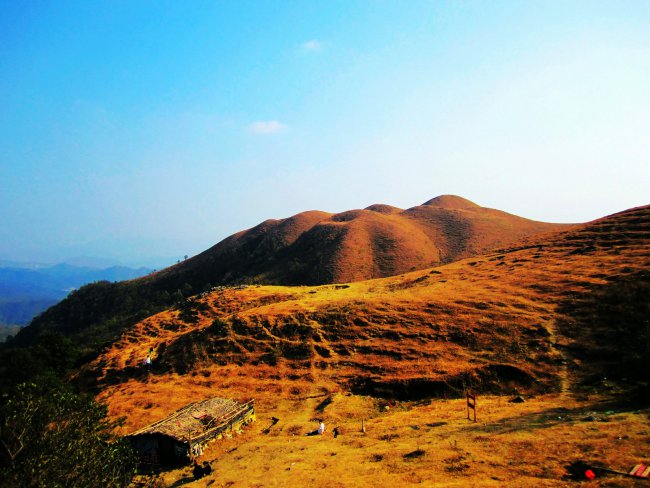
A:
[(309, 248), (316, 247)]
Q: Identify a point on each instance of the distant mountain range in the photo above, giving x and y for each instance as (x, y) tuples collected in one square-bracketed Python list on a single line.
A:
[(77, 261), (28, 289)]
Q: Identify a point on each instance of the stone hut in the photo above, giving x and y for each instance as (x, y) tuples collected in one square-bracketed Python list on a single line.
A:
[(176, 439)]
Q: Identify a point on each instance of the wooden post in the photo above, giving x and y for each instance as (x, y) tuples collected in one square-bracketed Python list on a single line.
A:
[(363, 425), (471, 404)]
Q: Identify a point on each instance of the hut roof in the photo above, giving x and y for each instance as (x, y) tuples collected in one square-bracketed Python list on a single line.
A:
[(195, 419)]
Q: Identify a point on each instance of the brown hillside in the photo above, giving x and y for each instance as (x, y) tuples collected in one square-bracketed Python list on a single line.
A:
[(517, 318), (381, 240), (555, 315), (309, 248)]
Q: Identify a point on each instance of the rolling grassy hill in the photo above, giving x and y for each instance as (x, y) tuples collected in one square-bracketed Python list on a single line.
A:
[(306, 249), (561, 319), (549, 315), (314, 247)]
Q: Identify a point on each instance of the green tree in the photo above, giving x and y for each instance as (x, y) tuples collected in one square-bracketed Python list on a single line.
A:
[(50, 436)]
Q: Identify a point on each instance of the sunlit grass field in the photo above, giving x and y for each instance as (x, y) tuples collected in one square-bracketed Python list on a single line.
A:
[(399, 354)]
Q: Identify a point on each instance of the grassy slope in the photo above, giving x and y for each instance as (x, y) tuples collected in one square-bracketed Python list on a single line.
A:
[(511, 445), (309, 248), (502, 321)]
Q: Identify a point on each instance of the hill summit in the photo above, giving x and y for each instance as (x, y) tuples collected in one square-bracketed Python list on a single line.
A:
[(313, 248), (450, 202)]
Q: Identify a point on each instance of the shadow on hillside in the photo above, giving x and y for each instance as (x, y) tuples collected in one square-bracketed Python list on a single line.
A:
[(608, 329), (596, 412), (491, 378), (119, 376), (183, 481)]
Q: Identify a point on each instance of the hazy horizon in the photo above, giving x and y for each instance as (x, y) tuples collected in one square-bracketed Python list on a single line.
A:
[(142, 132)]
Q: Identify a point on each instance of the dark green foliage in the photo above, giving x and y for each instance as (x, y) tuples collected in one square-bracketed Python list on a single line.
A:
[(52, 354), (186, 290), (95, 315), (7, 332), (50, 436)]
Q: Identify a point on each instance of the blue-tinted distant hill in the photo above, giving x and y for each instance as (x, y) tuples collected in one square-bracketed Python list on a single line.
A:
[(26, 292)]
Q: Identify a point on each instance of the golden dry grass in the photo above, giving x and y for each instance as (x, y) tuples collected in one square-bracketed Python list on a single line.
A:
[(318, 247), (426, 444), (494, 322)]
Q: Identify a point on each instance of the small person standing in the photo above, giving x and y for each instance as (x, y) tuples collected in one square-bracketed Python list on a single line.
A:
[(147, 362)]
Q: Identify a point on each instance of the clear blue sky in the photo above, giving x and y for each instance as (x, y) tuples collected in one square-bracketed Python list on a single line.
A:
[(140, 130)]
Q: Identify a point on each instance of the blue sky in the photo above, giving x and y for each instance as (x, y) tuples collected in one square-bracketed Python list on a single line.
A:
[(146, 130)]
